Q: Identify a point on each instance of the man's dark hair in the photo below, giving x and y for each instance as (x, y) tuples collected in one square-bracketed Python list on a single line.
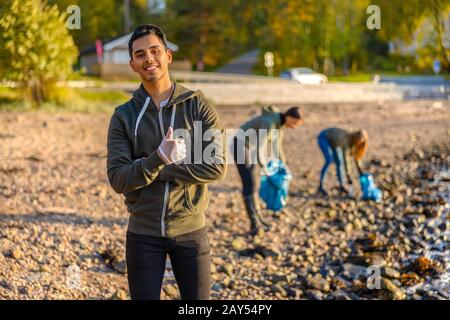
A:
[(293, 112), (143, 31)]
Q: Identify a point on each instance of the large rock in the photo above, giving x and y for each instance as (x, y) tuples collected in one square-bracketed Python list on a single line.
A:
[(340, 295), (228, 269), (171, 291), (120, 266), (318, 282), (394, 291), (17, 254), (424, 266), (261, 251), (390, 273), (314, 294), (239, 243), (354, 271), (120, 295)]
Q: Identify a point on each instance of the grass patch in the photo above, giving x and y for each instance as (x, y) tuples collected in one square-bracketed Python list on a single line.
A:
[(358, 77), (110, 96), (9, 94), (65, 100)]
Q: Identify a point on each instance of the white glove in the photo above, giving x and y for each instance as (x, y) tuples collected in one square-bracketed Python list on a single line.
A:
[(171, 150)]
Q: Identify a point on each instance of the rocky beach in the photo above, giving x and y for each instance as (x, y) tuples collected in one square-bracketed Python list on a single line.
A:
[(62, 227)]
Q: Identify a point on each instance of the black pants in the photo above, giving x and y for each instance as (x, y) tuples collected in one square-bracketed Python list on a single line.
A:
[(190, 258), (247, 172)]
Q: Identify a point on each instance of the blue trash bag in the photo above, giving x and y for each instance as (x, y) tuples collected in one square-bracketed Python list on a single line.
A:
[(369, 189), (275, 186)]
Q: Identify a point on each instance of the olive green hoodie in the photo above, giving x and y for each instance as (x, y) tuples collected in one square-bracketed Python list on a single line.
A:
[(163, 200), (269, 120)]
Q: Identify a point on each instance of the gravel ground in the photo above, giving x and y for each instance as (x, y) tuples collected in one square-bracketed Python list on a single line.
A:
[(62, 228)]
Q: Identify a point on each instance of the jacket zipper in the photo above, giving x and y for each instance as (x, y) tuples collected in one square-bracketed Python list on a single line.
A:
[(161, 127), (166, 190)]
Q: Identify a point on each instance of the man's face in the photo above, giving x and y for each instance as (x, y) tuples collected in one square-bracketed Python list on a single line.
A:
[(292, 122), (150, 58)]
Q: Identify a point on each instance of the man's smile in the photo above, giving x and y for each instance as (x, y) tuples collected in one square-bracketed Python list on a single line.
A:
[(151, 68)]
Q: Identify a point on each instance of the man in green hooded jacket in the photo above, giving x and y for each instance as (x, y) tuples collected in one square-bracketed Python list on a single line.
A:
[(166, 196)]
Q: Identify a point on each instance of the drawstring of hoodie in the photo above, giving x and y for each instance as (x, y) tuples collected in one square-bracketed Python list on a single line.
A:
[(144, 108)]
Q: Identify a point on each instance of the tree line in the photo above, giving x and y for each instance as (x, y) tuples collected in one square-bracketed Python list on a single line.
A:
[(328, 35)]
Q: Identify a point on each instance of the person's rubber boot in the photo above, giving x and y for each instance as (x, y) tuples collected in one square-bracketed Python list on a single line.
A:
[(344, 192), (259, 214), (252, 215), (321, 191)]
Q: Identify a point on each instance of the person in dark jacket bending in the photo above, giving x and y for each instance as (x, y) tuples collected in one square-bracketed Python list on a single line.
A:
[(339, 146)]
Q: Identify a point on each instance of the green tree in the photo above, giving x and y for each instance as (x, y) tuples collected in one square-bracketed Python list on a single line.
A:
[(99, 20), (402, 20), (202, 28), (37, 49), (438, 10), (104, 19)]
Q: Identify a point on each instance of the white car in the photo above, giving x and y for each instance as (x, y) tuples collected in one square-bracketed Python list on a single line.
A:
[(304, 75)]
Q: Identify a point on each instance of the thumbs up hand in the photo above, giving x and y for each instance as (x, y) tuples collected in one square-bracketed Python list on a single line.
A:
[(171, 150)]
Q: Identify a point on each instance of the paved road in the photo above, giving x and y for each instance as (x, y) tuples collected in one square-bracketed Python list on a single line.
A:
[(420, 87), (242, 90), (241, 65)]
